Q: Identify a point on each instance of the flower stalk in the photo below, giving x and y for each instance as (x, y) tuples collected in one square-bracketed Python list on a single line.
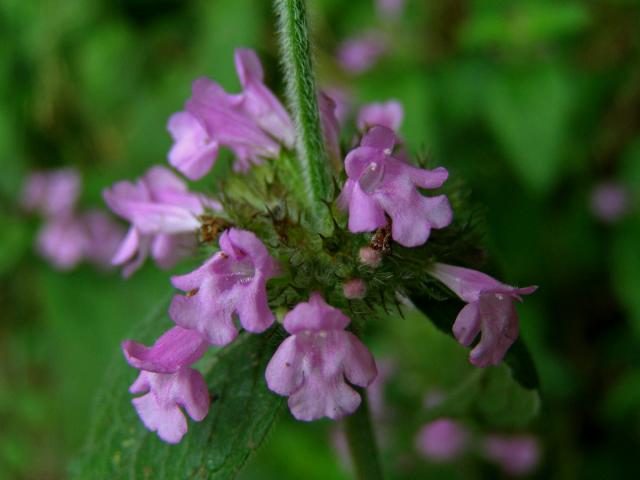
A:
[(303, 101), (362, 443)]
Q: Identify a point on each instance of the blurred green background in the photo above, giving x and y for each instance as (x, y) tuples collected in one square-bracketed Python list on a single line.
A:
[(532, 104)]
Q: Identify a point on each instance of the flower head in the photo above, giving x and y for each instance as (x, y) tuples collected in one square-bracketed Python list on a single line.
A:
[(163, 216), (490, 309), (388, 114), (442, 440), (232, 282), (312, 366), (380, 183), (164, 395)]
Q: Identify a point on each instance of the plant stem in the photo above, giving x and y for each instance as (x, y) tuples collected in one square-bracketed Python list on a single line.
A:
[(302, 96), (362, 442)]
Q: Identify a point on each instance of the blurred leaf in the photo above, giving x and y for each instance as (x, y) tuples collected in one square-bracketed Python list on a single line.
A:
[(623, 400), (509, 24), (240, 417), (518, 358), (626, 269), (14, 242), (528, 112), (490, 397)]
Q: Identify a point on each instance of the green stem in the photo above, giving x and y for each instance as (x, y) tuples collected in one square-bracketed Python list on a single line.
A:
[(302, 96), (362, 442)]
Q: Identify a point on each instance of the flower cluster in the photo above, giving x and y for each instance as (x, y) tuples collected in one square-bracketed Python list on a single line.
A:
[(264, 263), (68, 236)]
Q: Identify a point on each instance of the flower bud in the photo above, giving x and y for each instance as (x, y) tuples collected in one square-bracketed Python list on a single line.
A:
[(370, 257), (354, 288)]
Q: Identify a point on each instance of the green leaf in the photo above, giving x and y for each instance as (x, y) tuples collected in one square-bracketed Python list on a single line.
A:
[(529, 113), (241, 415), (518, 358), (490, 397)]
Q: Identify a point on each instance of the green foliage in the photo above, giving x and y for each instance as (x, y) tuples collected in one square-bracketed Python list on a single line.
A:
[(529, 112), (242, 413)]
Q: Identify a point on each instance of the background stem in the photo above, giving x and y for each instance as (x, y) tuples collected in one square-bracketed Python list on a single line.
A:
[(302, 96), (362, 442)]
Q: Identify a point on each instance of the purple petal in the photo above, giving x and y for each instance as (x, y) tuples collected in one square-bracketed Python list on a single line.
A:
[(319, 399), (365, 213), (175, 349), (359, 366), (467, 324), (388, 114), (380, 138), (283, 374), (315, 315)]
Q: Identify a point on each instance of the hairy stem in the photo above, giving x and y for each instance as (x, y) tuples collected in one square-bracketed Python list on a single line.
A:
[(302, 96), (362, 442)]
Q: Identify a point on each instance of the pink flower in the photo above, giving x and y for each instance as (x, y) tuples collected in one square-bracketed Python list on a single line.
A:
[(252, 124), (388, 114), (232, 281), (379, 182), (168, 382), (610, 201), (164, 394), (517, 455), (193, 152), (360, 53), (63, 242), (175, 349), (163, 215), (312, 366), (51, 193), (490, 309), (259, 102), (442, 440)]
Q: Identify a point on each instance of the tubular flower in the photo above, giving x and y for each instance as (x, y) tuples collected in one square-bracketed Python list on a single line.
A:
[(252, 124), (163, 216), (164, 394), (380, 183), (312, 366), (168, 383), (232, 281), (388, 114), (490, 310)]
